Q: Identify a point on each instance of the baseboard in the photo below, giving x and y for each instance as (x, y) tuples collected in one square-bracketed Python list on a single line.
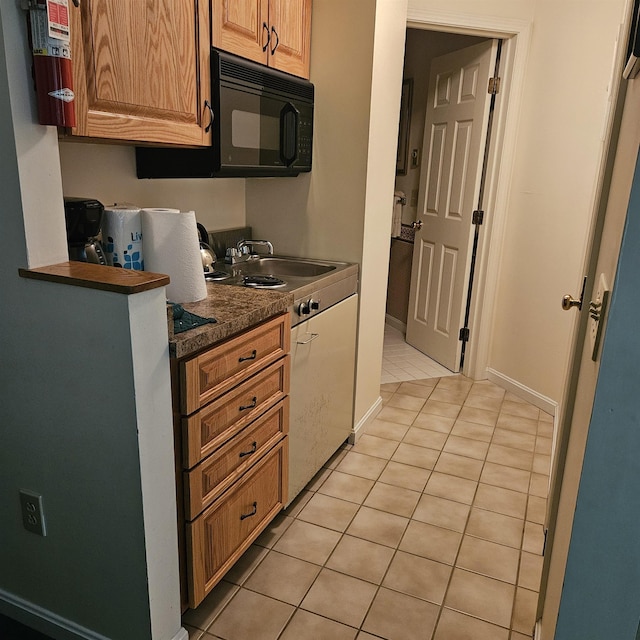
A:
[(537, 399), (395, 323), (52, 624), (368, 417)]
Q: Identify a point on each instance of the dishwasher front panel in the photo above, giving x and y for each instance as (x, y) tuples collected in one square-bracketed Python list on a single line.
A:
[(323, 352)]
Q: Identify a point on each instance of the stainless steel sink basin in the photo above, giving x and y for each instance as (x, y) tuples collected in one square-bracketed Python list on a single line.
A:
[(285, 267)]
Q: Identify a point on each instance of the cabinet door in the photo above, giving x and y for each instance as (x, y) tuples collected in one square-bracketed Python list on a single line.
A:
[(141, 70), (290, 36), (242, 27)]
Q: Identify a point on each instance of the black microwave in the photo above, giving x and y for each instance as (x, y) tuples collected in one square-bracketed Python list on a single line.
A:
[(262, 121)]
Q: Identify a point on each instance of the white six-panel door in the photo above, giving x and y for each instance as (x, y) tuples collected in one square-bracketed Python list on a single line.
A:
[(455, 133)]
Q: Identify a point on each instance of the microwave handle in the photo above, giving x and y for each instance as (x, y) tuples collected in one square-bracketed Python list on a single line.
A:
[(289, 117)]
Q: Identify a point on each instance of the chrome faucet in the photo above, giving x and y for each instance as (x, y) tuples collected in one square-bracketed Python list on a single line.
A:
[(243, 251)]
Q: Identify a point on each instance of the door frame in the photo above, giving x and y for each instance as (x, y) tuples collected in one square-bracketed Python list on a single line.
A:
[(515, 35)]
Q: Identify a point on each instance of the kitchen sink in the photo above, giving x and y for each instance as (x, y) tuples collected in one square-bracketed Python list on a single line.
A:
[(298, 267)]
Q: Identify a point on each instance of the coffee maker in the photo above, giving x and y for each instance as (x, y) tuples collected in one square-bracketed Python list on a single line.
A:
[(83, 219)]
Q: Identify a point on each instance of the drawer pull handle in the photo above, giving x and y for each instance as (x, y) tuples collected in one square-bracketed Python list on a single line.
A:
[(253, 512), (254, 402), (253, 355), (254, 448)]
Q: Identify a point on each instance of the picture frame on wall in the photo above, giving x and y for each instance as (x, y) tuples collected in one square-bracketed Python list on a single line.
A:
[(402, 158)]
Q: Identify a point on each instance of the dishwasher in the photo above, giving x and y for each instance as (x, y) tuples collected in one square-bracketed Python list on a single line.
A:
[(322, 384)]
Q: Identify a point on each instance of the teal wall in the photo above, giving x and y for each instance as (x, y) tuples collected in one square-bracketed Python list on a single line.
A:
[(601, 593)]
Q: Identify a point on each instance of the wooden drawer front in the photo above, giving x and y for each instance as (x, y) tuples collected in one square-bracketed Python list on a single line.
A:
[(211, 427), (208, 480), (212, 373), (225, 530)]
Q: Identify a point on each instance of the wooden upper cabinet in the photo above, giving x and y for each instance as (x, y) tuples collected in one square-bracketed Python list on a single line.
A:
[(272, 32), (141, 70)]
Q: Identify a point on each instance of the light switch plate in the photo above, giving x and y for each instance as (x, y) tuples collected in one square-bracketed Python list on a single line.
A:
[(597, 315)]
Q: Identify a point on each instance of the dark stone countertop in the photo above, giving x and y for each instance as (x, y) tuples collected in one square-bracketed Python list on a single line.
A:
[(235, 308)]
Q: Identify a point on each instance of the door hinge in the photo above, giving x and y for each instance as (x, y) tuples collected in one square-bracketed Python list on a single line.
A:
[(464, 334), (477, 217), (494, 85)]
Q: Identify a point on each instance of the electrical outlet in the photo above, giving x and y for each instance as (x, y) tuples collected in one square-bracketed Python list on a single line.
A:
[(32, 512)]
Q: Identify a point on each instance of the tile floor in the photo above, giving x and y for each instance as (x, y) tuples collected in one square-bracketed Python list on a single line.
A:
[(401, 362), (429, 528)]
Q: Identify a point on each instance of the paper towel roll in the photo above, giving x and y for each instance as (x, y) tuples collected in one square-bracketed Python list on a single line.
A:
[(122, 236), (171, 246)]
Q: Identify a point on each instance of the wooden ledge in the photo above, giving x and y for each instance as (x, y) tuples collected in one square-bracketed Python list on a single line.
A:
[(95, 276)]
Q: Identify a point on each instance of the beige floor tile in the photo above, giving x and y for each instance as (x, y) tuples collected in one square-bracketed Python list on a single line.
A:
[(283, 578), (396, 616), (530, 572), (454, 625), (510, 457), (517, 423), (329, 512), (194, 633), (545, 429), (346, 487), (533, 539), (404, 475), (536, 509), (543, 445), (487, 403), (479, 416), (361, 559), (337, 457), (445, 409), (386, 497), (252, 615), (298, 504), (442, 513), (211, 606), (386, 396), (433, 422), (495, 527), (376, 447), (429, 541), (519, 636), (459, 466), (458, 382), (451, 487), (481, 597), (274, 530), (489, 559), (539, 485), (427, 382), (415, 389), (317, 481), (541, 464), (358, 464), (505, 501), (521, 409), (307, 541), (367, 636), (305, 624), (392, 387), (524, 611), (403, 401), (415, 456), (472, 431), (417, 576), (388, 430), (453, 396), (425, 438), (514, 439), (247, 563), (486, 388), (466, 447), (339, 597), (401, 416), (512, 397), (378, 526), (506, 477)]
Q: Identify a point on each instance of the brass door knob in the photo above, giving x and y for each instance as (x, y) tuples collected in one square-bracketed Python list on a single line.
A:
[(568, 302)]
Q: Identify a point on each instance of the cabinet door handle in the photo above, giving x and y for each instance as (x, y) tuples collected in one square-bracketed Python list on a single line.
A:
[(254, 402), (265, 46), (253, 355), (273, 31), (253, 512), (254, 448), (207, 104)]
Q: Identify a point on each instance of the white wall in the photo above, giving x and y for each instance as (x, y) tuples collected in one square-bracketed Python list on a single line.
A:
[(107, 172), (85, 410)]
